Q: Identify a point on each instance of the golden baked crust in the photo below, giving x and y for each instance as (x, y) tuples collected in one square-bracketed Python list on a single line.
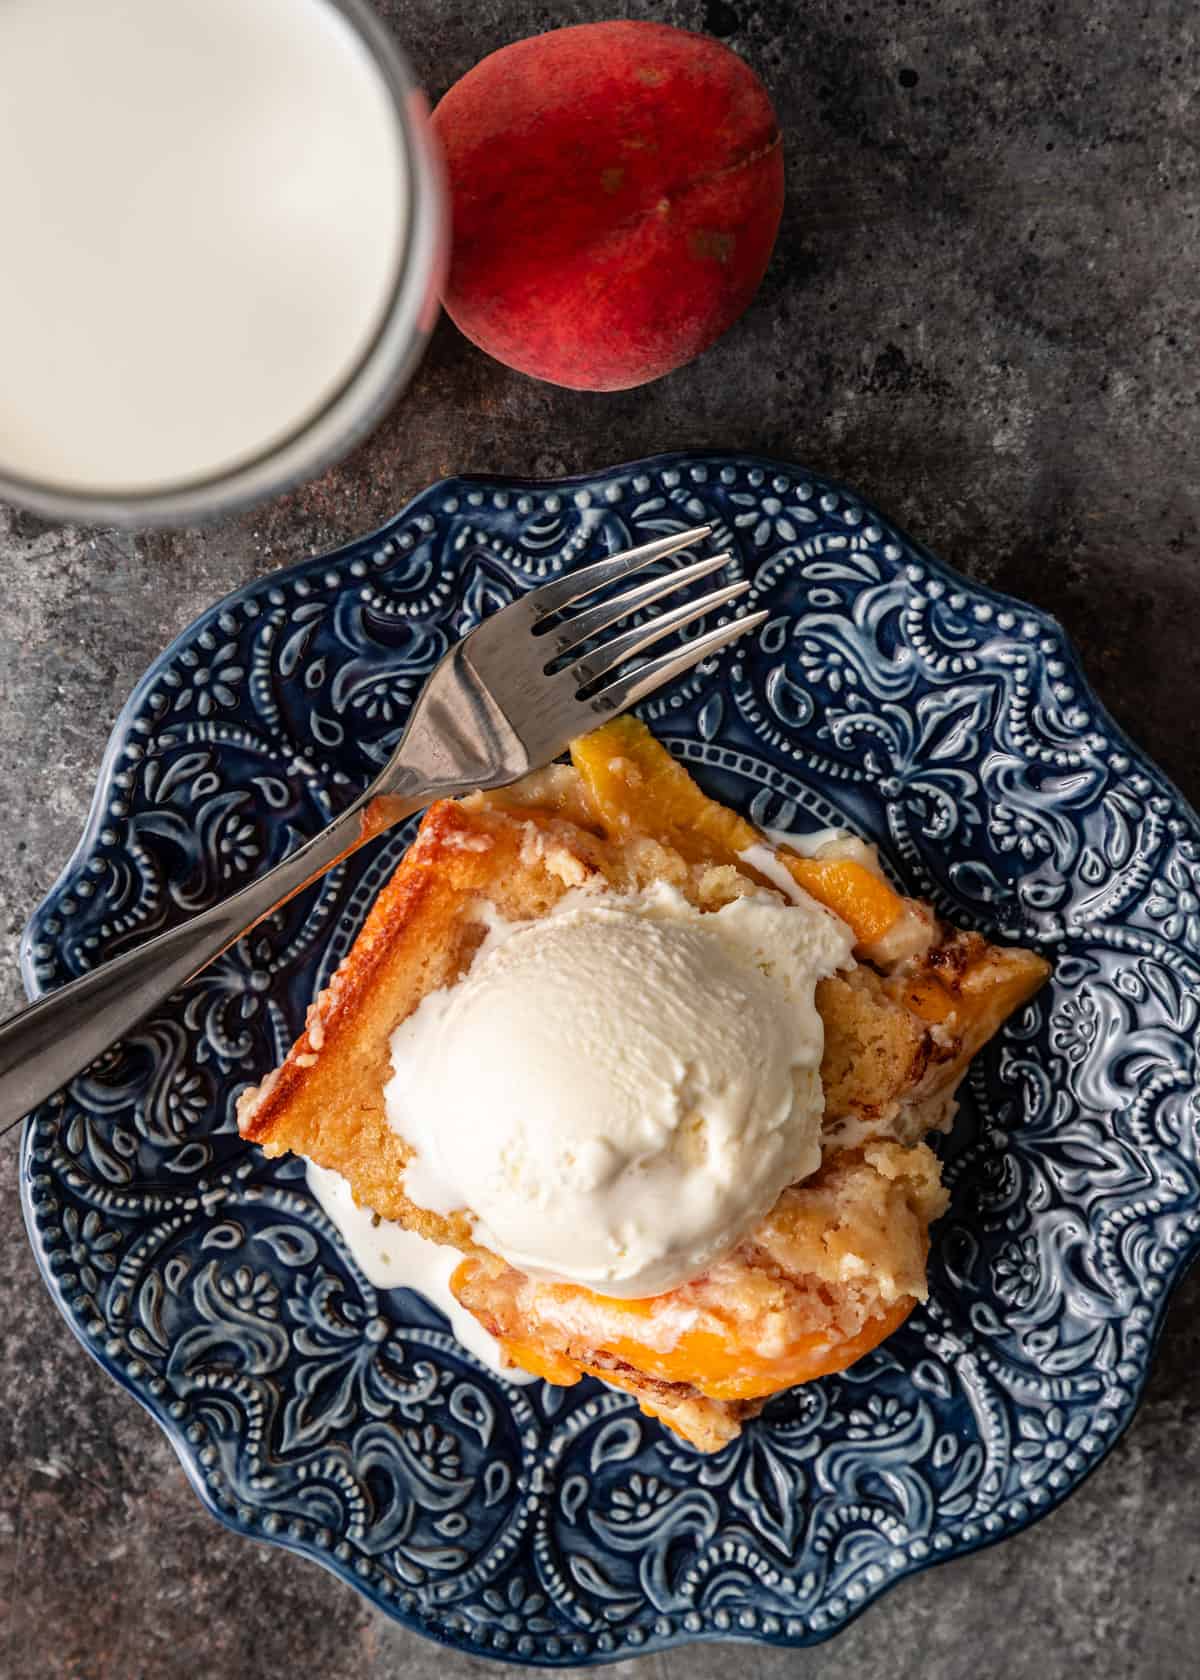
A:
[(839, 1261)]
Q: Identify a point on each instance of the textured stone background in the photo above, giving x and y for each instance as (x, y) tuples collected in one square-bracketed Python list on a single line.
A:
[(984, 311)]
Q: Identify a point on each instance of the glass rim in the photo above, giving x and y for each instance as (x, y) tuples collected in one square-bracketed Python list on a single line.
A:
[(368, 388)]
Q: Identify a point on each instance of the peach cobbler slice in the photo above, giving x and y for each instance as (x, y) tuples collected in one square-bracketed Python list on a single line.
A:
[(840, 1260)]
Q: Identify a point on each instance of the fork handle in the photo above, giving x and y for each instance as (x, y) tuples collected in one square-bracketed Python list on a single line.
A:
[(47, 1044)]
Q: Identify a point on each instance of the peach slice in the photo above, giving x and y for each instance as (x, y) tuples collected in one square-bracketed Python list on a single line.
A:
[(638, 788), (718, 1363)]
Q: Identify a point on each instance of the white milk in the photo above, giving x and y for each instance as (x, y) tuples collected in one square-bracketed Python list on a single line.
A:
[(203, 207)]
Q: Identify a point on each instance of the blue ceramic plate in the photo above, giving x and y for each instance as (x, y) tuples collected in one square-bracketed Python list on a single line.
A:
[(560, 1526)]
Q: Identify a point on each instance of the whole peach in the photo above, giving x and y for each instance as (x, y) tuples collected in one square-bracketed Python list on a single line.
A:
[(616, 190)]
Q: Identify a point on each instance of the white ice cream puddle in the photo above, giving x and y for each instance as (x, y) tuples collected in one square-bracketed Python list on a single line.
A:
[(390, 1257)]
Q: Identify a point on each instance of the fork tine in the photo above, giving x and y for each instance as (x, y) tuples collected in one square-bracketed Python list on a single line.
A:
[(628, 690), (606, 659), (591, 623), (552, 597)]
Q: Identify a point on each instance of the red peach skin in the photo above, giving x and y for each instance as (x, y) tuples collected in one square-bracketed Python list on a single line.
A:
[(616, 191)]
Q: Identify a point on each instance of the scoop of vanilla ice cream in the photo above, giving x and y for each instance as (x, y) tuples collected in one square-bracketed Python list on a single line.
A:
[(620, 1090)]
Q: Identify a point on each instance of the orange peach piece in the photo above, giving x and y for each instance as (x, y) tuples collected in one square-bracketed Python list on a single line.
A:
[(716, 1364), (636, 786)]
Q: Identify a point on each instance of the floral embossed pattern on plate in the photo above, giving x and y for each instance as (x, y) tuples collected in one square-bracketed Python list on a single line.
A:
[(559, 1526)]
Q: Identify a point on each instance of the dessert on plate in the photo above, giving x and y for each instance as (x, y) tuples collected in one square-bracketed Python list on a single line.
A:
[(662, 1080)]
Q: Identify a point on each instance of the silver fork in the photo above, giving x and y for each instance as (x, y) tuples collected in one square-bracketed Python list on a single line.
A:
[(503, 701)]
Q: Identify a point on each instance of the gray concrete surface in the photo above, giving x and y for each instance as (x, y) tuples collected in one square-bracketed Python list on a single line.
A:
[(984, 310)]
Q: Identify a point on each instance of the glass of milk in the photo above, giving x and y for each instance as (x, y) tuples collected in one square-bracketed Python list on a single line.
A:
[(224, 241)]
